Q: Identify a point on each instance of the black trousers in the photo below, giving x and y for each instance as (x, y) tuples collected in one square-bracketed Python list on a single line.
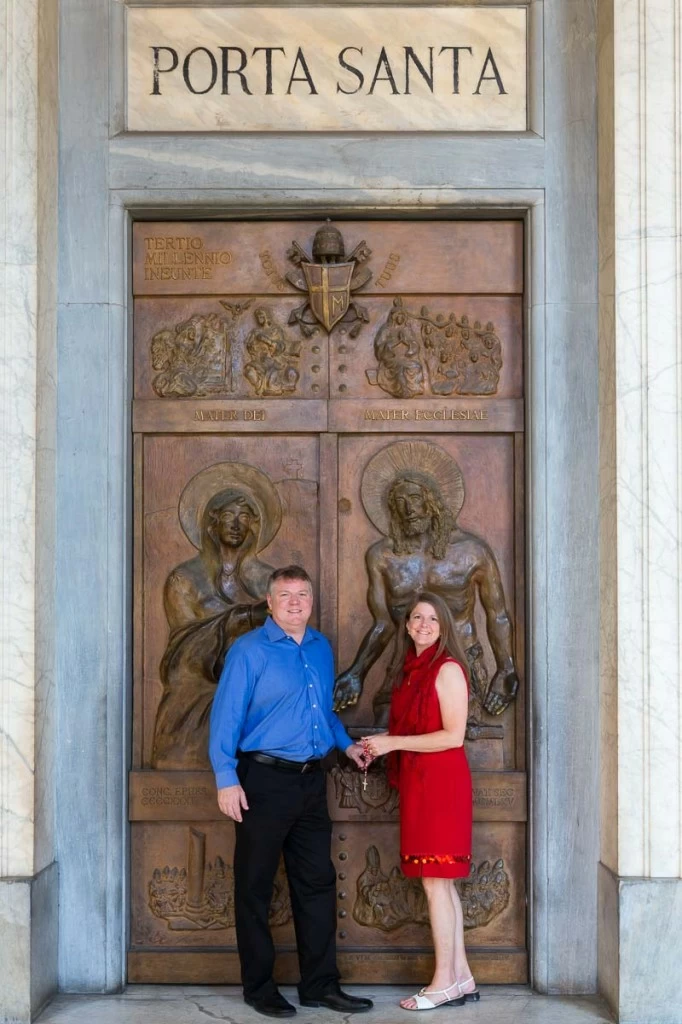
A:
[(287, 815)]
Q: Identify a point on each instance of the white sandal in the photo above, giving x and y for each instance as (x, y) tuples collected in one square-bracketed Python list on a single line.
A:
[(469, 997), (423, 1002)]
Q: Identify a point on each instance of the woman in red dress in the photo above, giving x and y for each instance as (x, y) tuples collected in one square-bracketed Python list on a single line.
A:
[(428, 765)]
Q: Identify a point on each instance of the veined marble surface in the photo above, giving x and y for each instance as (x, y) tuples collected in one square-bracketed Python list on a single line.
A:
[(18, 360), (328, 68), (152, 1004), (641, 422)]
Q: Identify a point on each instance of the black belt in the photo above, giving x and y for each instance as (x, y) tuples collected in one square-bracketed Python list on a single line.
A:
[(280, 762)]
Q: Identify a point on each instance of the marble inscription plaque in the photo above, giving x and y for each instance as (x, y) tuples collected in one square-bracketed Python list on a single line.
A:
[(326, 68)]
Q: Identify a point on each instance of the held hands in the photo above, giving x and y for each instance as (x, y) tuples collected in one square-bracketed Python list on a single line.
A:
[(231, 801), (356, 753), (379, 744)]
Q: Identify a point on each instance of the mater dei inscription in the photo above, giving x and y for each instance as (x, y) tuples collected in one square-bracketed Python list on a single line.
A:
[(326, 68)]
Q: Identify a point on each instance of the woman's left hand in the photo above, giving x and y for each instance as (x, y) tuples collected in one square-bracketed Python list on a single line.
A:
[(379, 744)]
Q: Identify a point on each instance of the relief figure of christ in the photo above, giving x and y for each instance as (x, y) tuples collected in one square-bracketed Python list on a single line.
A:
[(427, 550)]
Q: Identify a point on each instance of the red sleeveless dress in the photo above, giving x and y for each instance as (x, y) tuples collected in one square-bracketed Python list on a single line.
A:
[(435, 788)]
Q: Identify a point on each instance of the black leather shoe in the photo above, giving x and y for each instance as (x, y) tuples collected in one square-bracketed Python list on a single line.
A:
[(341, 1001), (274, 1005)]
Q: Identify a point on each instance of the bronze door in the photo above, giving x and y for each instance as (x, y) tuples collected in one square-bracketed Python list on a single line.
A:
[(348, 397)]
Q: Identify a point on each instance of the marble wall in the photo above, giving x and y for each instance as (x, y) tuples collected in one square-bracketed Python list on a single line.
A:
[(27, 443), (640, 48), (28, 882), (641, 276)]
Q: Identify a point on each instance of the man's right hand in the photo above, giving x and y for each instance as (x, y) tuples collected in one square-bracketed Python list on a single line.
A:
[(231, 801), (347, 691)]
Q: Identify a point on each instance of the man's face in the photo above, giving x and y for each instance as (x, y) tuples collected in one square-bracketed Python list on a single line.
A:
[(410, 503), (234, 523), (291, 604)]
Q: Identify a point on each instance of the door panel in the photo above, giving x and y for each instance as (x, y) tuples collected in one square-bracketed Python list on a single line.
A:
[(268, 432), (170, 467)]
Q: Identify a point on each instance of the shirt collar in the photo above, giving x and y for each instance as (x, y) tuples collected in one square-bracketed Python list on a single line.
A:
[(275, 632)]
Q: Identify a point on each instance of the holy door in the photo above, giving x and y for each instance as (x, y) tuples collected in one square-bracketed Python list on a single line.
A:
[(348, 397)]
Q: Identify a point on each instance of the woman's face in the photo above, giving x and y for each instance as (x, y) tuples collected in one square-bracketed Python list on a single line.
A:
[(423, 626), (233, 523)]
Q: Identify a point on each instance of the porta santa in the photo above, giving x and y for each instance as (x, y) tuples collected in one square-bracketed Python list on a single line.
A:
[(272, 70)]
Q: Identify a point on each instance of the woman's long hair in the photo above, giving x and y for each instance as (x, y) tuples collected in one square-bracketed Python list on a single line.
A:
[(447, 641)]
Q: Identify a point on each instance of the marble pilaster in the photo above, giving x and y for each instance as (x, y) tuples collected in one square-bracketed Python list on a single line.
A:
[(28, 63), (641, 504)]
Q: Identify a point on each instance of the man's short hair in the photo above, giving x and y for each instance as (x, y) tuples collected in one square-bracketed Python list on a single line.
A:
[(289, 572)]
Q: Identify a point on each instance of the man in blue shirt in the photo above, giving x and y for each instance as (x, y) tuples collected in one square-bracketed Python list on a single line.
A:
[(271, 725)]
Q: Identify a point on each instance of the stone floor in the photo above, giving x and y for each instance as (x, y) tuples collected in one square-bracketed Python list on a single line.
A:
[(166, 1004)]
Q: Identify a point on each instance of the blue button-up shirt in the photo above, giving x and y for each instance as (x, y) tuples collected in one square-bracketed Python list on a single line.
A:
[(274, 695)]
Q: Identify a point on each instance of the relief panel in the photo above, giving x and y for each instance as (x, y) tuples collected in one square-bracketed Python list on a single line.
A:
[(407, 257), (213, 526), (376, 901), (219, 348), (466, 481), (348, 397), (183, 888)]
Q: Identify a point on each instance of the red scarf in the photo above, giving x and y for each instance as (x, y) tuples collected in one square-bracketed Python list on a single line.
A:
[(413, 720)]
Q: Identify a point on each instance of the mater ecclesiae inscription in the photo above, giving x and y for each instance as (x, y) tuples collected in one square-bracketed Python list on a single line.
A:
[(444, 415)]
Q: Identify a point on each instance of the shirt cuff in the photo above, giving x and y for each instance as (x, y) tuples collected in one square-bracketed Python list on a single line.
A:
[(228, 777)]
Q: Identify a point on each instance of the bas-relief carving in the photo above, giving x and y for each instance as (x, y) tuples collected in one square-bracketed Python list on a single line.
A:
[(329, 277), (449, 355), (413, 492), (271, 369), (367, 794), (200, 896), (229, 512), (389, 901), (196, 358)]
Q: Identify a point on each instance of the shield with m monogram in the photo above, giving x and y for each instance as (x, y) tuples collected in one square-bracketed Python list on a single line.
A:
[(328, 290)]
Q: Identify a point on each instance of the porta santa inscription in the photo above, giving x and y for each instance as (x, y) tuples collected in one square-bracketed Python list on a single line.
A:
[(326, 69)]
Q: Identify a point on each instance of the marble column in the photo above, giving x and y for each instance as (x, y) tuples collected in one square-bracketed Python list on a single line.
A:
[(28, 877), (640, 891)]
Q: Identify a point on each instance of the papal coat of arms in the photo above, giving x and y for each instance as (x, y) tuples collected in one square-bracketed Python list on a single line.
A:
[(330, 278)]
